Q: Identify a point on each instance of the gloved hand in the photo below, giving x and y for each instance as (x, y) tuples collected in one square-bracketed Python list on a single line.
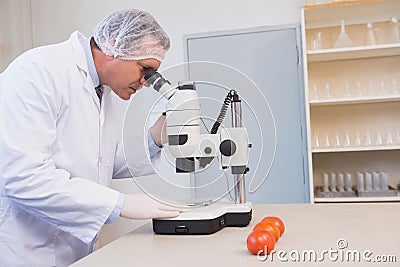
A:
[(159, 132), (141, 206)]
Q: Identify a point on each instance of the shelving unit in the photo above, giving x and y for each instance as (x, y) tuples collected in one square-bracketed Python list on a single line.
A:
[(354, 52), (352, 93)]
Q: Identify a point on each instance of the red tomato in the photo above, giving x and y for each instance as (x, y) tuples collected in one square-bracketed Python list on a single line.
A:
[(277, 221), (270, 227), (260, 241)]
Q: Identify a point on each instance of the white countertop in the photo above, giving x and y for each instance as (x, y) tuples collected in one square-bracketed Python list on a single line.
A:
[(318, 227)]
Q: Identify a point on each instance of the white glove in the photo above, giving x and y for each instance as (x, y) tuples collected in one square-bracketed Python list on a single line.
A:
[(141, 206), (158, 131)]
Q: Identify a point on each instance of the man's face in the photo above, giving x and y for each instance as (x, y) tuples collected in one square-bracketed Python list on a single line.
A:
[(127, 76)]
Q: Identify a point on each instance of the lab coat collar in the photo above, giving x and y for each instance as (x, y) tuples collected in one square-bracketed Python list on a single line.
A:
[(80, 59), (90, 61)]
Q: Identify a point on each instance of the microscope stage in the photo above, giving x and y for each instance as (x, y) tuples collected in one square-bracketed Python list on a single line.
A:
[(205, 220)]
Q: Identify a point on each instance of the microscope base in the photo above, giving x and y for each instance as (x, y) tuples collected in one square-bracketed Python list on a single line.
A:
[(205, 220)]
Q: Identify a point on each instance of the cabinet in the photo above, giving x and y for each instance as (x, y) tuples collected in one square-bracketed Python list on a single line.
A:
[(352, 94)]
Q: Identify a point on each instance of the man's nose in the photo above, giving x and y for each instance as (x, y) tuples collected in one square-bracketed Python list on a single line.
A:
[(144, 82)]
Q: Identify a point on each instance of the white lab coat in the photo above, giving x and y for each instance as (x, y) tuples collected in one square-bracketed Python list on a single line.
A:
[(58, 151)]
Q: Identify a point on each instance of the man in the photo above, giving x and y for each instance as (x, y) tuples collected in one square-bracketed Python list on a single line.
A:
[(59, 147)]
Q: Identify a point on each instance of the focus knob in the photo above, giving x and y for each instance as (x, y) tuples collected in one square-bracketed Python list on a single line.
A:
[(227, 148)]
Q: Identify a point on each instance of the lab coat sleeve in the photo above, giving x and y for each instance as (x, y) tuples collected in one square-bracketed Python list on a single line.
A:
[(135, 154), (28, 175), (117, 210), (135, 164), (153, 148)]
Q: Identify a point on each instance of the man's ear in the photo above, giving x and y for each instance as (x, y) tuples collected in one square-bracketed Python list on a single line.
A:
[(109, 58)]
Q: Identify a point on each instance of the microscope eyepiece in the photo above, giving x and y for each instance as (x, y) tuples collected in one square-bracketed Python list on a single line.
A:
[(151, 76), (156, 80)]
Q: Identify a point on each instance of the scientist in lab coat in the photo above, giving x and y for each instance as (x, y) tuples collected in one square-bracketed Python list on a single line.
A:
[(59, 146)]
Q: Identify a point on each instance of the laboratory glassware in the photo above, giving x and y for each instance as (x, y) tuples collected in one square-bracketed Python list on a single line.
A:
[(394, 34), (347, 140), (343, 39), (328, 91), (358, 89), (337, 142), (327, 143), (360, 181), (367, 140), (340, 182), (370, 88), (333, 182), (317, 42), (326, 182), (395, 88), (368, 181), (376, 184), (347, 92), (315, 94), (389, 137), (384, 181), (370, 38), (348, 184), (316, 140)]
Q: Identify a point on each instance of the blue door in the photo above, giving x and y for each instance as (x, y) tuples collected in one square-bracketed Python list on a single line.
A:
[(264, 66)]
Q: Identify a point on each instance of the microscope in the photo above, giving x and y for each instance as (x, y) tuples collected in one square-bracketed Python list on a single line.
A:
[(186, 144)]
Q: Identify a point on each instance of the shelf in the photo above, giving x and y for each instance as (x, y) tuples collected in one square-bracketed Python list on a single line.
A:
[(355, 52), (354, 100), (355, 149), (336, 4), (362, 111), (356, 199), (326, 15)]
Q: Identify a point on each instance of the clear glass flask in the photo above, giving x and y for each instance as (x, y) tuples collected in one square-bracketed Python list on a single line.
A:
[(394, 31), (370, 38)]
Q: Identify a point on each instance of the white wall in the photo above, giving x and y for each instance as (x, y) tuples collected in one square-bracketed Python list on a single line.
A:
[(15, 29), (54, 20)]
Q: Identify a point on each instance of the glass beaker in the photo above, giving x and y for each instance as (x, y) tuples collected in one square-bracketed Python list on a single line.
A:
[(337, 142), (347, 139), (357, 138), (332, 186), (360, 181), (327, 141), (340, 182), (316, 140), (370, 88), (382, 88), (367, 138), (389, 137), (348, 182), (370, 38), (384, 180), (326, 182), (317, 42), (315, 94), (394, 34), (347, 91), (395, 88), (328, 91), (359, 91)]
